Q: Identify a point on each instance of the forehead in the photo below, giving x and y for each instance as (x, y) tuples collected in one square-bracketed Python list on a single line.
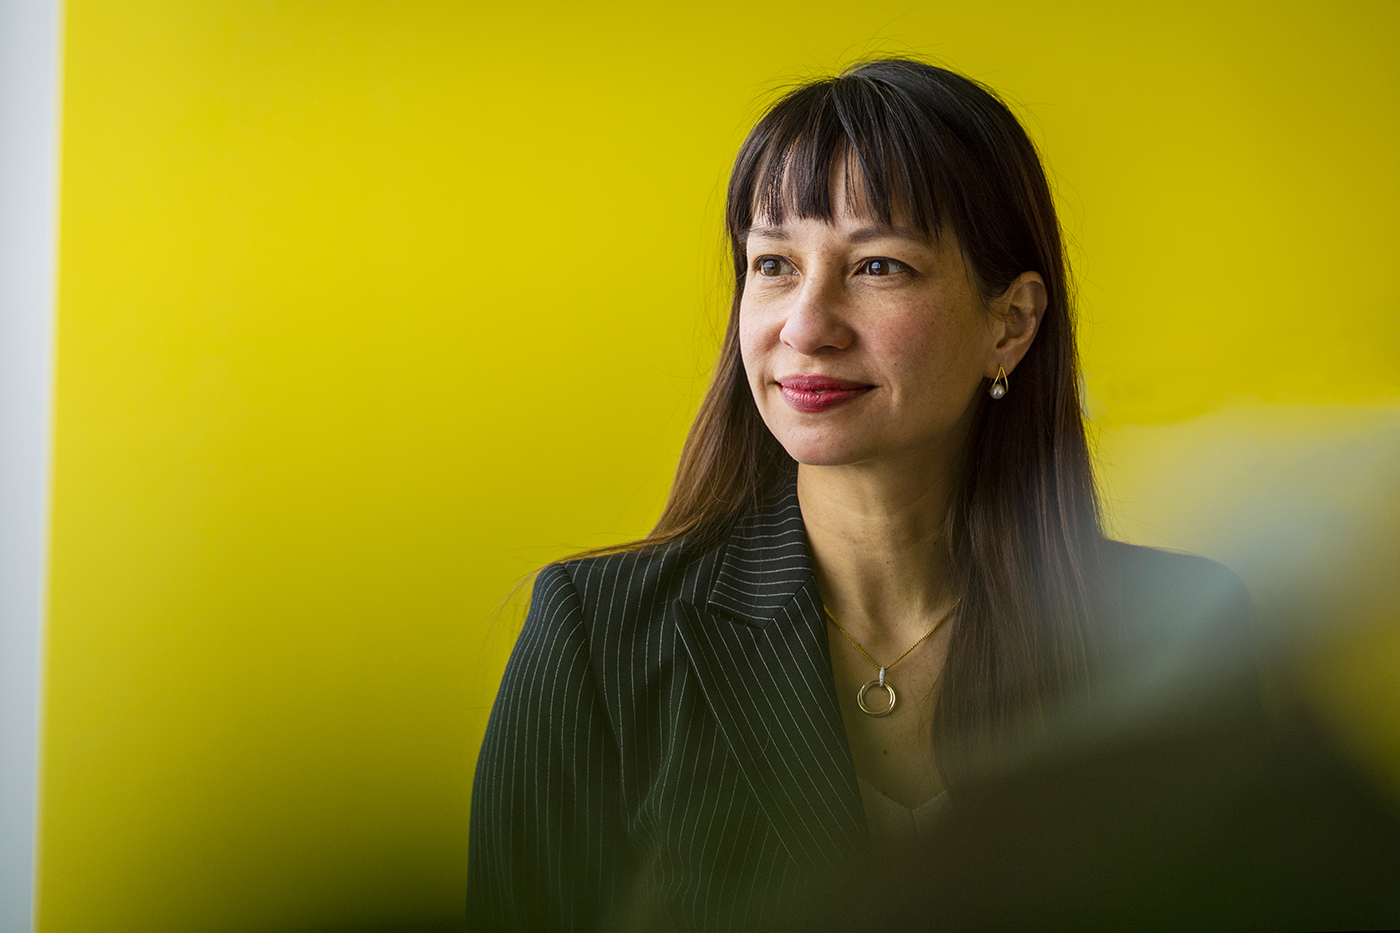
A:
[(852, 218), (852, 229), (848, 205)]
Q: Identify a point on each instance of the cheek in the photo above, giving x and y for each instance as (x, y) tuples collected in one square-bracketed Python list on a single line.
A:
[(928, 350), (754, 342), (913, 344)]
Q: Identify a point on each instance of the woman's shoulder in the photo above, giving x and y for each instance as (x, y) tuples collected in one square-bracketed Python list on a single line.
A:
[(1167, 598), (627, 587), (1149, 574)]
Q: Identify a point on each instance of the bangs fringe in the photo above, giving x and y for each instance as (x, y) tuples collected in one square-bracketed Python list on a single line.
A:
[(898, 162)]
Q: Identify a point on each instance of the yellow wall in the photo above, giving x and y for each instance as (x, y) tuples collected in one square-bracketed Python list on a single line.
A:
[(367, 309)]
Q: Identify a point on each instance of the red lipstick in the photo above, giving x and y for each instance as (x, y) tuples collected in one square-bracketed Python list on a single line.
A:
[(809, 393)]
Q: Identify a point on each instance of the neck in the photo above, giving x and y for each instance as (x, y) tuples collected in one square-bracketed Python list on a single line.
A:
[(877, 534)]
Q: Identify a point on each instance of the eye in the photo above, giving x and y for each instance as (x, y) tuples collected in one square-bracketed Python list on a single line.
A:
[(770, 266), (881, 266)]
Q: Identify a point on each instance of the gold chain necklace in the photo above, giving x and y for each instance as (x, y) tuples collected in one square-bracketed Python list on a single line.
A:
[(880, 681)]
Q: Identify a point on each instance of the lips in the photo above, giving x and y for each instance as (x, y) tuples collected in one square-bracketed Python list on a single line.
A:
[(813, 393)]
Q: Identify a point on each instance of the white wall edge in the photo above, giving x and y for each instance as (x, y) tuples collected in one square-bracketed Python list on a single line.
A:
[(30, 98)]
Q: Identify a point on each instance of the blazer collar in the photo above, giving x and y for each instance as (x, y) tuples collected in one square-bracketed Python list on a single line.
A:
[(759, 650), (766, 562)]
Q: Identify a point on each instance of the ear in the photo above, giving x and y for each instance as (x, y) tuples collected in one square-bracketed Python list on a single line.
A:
[(1015, 318)]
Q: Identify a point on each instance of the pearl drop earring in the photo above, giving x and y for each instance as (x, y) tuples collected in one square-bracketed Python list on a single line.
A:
[(999, 385)]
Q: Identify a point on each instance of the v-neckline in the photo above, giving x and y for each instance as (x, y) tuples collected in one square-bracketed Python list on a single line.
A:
[(916, 811)]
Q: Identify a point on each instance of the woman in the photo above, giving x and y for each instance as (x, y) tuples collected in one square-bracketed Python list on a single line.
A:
[(881, 554)]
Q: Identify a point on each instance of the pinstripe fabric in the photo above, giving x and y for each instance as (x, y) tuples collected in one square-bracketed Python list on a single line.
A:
[(666, 750)]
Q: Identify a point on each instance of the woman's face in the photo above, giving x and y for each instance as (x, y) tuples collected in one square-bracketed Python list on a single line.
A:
[(861, 341)]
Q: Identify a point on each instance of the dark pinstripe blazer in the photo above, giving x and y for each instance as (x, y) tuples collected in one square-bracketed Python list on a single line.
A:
[(666, 749)]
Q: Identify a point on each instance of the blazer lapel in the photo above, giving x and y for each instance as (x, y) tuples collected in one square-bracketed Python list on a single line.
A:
[(759, 650)]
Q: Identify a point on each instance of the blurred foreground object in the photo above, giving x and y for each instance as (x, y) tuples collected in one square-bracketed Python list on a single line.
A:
[(1181, 806), (1304, 504), (1196, 821)]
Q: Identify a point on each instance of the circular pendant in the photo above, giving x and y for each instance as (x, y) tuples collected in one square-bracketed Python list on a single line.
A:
[(860, 697)]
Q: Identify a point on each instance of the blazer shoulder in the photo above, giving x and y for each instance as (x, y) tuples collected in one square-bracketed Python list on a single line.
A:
[(638, 584), (1148, 573), (1168, 597)]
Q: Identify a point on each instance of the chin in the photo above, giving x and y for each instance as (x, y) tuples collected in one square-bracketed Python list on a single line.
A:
[(824, 450)]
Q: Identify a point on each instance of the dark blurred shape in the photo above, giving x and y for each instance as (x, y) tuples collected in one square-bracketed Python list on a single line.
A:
[(1203, 819), (1180, 799)]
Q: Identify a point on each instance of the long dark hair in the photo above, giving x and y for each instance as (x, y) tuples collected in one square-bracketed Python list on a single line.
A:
[(1023, 529)]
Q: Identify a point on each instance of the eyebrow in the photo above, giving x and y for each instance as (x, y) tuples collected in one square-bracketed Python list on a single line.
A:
[(861, 235), (768, 233)]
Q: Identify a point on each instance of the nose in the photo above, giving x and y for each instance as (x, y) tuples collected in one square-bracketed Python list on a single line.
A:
[(817, 319)]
